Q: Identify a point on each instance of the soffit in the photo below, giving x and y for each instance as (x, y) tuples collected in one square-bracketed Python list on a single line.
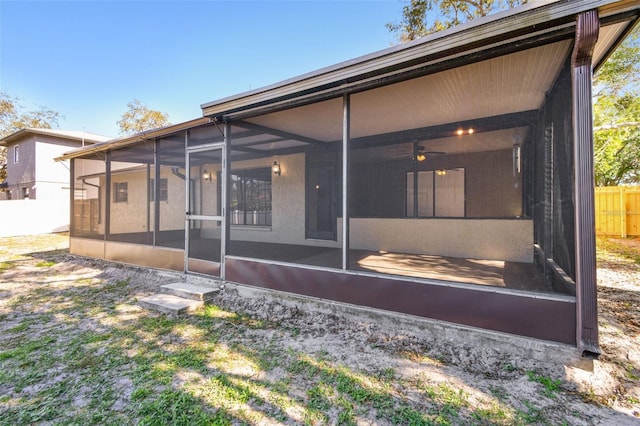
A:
[(607, 37), (507, 84)]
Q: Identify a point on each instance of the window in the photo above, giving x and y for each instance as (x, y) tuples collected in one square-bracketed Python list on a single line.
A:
[(440, 193), (120, 192), (164, 190), (25, 193), (250, 197), (16, 154)]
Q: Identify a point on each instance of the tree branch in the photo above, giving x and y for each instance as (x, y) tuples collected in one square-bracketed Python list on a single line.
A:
[(616, 126)]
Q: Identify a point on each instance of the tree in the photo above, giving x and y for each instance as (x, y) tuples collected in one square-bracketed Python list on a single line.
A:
[(140, 118), (616, 112), (423, 17), (13, 117)]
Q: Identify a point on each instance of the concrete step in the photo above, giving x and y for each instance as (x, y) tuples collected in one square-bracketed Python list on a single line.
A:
[(190, 291), (169, 304)]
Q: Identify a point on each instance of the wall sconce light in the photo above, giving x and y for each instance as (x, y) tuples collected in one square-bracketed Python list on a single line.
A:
[(206, 175), (441, 172), (420, 154), (276, 168)]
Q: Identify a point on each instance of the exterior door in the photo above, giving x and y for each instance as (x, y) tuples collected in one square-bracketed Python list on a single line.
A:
[(321, 202), (204, 234)]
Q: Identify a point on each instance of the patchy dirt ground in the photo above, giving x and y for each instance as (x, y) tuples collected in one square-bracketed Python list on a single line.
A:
[(328, 368), (618, 370)]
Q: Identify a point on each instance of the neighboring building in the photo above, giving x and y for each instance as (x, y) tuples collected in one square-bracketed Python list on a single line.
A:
[(32, 172), (35, 194), (449, 178)]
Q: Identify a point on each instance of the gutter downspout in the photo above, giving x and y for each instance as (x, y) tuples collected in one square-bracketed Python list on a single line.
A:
[(587, 29)]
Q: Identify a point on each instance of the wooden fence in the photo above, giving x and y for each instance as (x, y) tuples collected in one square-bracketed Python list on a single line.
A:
[(618, 211)]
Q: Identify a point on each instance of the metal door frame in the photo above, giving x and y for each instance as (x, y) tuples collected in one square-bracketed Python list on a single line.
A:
[(189, 216)]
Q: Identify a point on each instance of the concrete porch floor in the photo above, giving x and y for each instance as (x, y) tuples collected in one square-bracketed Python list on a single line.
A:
[(497, 273)]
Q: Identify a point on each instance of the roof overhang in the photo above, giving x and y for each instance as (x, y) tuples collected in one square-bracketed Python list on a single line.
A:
[(510, 31), (72, 136), (138, 137)]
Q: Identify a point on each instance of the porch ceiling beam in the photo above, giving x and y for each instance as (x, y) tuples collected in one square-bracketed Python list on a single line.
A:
[(134, 159), (487, 124), (245, 134), (242, 148), (263, 142), (244, 156), (275, 132)]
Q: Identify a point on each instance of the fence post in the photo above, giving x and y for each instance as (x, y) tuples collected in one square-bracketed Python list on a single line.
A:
[(623, 212)]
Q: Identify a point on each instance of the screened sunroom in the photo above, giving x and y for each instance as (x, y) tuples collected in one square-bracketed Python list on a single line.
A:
[(447, 178)]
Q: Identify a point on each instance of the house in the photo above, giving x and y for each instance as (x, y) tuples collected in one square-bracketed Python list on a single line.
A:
[(31, 171), (35, 182), (449, 178)]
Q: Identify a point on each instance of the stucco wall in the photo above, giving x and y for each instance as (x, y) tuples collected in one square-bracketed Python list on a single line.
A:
[(36, 168), (172, 210), (288, 205), (131, 216), (490, 239), (51, 176), (22, 173)]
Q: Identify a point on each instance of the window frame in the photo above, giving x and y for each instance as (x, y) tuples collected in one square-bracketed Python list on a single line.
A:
[(244, 176), (415, 204), (16, 154), (118, 195), (163, 190)]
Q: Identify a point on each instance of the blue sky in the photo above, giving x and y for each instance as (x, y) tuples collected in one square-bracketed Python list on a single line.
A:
[(88, 59)]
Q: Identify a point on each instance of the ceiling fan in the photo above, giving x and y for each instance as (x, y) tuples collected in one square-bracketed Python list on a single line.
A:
[(421, 154)]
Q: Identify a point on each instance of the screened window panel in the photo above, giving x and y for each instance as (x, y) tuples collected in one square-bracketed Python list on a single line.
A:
[(88, 210), (131, 215), (449, 193), (281, 216), (410, 194), (169, 226), (425, 194)]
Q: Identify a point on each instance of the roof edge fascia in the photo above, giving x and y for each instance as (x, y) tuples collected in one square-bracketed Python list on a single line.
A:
[(138, 137), (49, 132)]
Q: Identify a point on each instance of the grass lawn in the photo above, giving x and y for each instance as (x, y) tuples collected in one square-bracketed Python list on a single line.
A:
[(76, 348)]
